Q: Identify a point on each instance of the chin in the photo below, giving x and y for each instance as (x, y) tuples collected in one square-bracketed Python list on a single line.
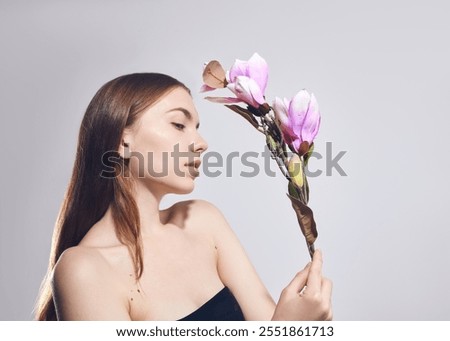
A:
[(182, 191), (185, 186)]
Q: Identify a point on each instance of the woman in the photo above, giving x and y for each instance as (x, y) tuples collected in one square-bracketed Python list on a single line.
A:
[(116, 256)]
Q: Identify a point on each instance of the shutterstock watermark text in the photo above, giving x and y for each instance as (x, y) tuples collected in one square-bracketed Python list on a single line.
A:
[(215, 164)]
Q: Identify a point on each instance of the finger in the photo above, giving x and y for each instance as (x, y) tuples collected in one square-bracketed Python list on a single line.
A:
[(330, 313), (299, 281), (327, 288), (314, 281)]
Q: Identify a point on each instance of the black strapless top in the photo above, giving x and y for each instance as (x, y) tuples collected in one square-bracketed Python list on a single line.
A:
[(221, 307)]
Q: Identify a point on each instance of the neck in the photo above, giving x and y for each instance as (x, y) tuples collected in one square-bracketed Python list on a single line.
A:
[(148, 201), (152, 220)]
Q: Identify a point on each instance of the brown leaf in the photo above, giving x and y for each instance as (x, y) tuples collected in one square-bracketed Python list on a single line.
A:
[(305, 219), (244, 113), (214, 75)]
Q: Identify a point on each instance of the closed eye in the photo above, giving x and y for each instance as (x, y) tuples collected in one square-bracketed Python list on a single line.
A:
[(179, 126)]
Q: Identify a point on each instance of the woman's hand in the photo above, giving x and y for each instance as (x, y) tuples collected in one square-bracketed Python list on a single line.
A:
[(308, 296)]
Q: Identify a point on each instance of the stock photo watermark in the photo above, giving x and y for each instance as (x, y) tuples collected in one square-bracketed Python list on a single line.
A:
[(214, 164)]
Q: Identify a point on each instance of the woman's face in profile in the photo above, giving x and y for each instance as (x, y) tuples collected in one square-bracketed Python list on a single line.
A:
[(165, 144)]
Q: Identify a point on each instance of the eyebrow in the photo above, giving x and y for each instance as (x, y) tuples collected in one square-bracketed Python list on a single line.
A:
[(186, 113)]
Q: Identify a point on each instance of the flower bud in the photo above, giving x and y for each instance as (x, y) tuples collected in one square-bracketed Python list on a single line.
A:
[(295, 169)]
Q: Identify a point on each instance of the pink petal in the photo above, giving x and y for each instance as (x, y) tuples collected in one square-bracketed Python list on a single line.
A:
[(287, 103), (206, 88), (298, 109), (239, 68), (245, 95), (310, 126), (281, 111), (223, 99), (258, 70), (256, 92), (280, 107), (296, 144), (246, 89)]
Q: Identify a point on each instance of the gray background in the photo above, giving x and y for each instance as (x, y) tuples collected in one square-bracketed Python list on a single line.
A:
[(379, 70)]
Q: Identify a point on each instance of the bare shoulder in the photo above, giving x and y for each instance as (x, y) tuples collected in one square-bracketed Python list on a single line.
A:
[(197, 205), (80, 277), (78, 261), (77, 266), (201, 213), (207, 219)]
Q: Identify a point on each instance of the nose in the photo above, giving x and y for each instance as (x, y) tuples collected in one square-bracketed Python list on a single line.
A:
[(199, 144)]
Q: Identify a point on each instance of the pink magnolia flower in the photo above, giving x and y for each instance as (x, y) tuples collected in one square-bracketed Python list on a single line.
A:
[(247, 80), (298, 120)]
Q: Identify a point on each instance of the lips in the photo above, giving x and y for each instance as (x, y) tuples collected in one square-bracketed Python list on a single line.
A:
[(193, 167), (195, 163)]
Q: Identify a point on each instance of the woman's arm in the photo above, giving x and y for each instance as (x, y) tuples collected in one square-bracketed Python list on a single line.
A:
[(237, 273), (81, 289)]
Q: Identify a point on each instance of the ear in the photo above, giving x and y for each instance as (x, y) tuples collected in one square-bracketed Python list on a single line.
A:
[(124, 149)]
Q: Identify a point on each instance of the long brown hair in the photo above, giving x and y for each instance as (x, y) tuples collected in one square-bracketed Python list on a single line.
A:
[(114, 107)]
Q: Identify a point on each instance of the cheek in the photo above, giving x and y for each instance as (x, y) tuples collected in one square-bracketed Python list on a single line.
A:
[(154, 140), (152, 154), (161, 169)]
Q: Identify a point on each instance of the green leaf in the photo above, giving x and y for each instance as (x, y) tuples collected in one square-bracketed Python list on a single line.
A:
[(308, 154), (307, 189), (273, 147), (292, 190)]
